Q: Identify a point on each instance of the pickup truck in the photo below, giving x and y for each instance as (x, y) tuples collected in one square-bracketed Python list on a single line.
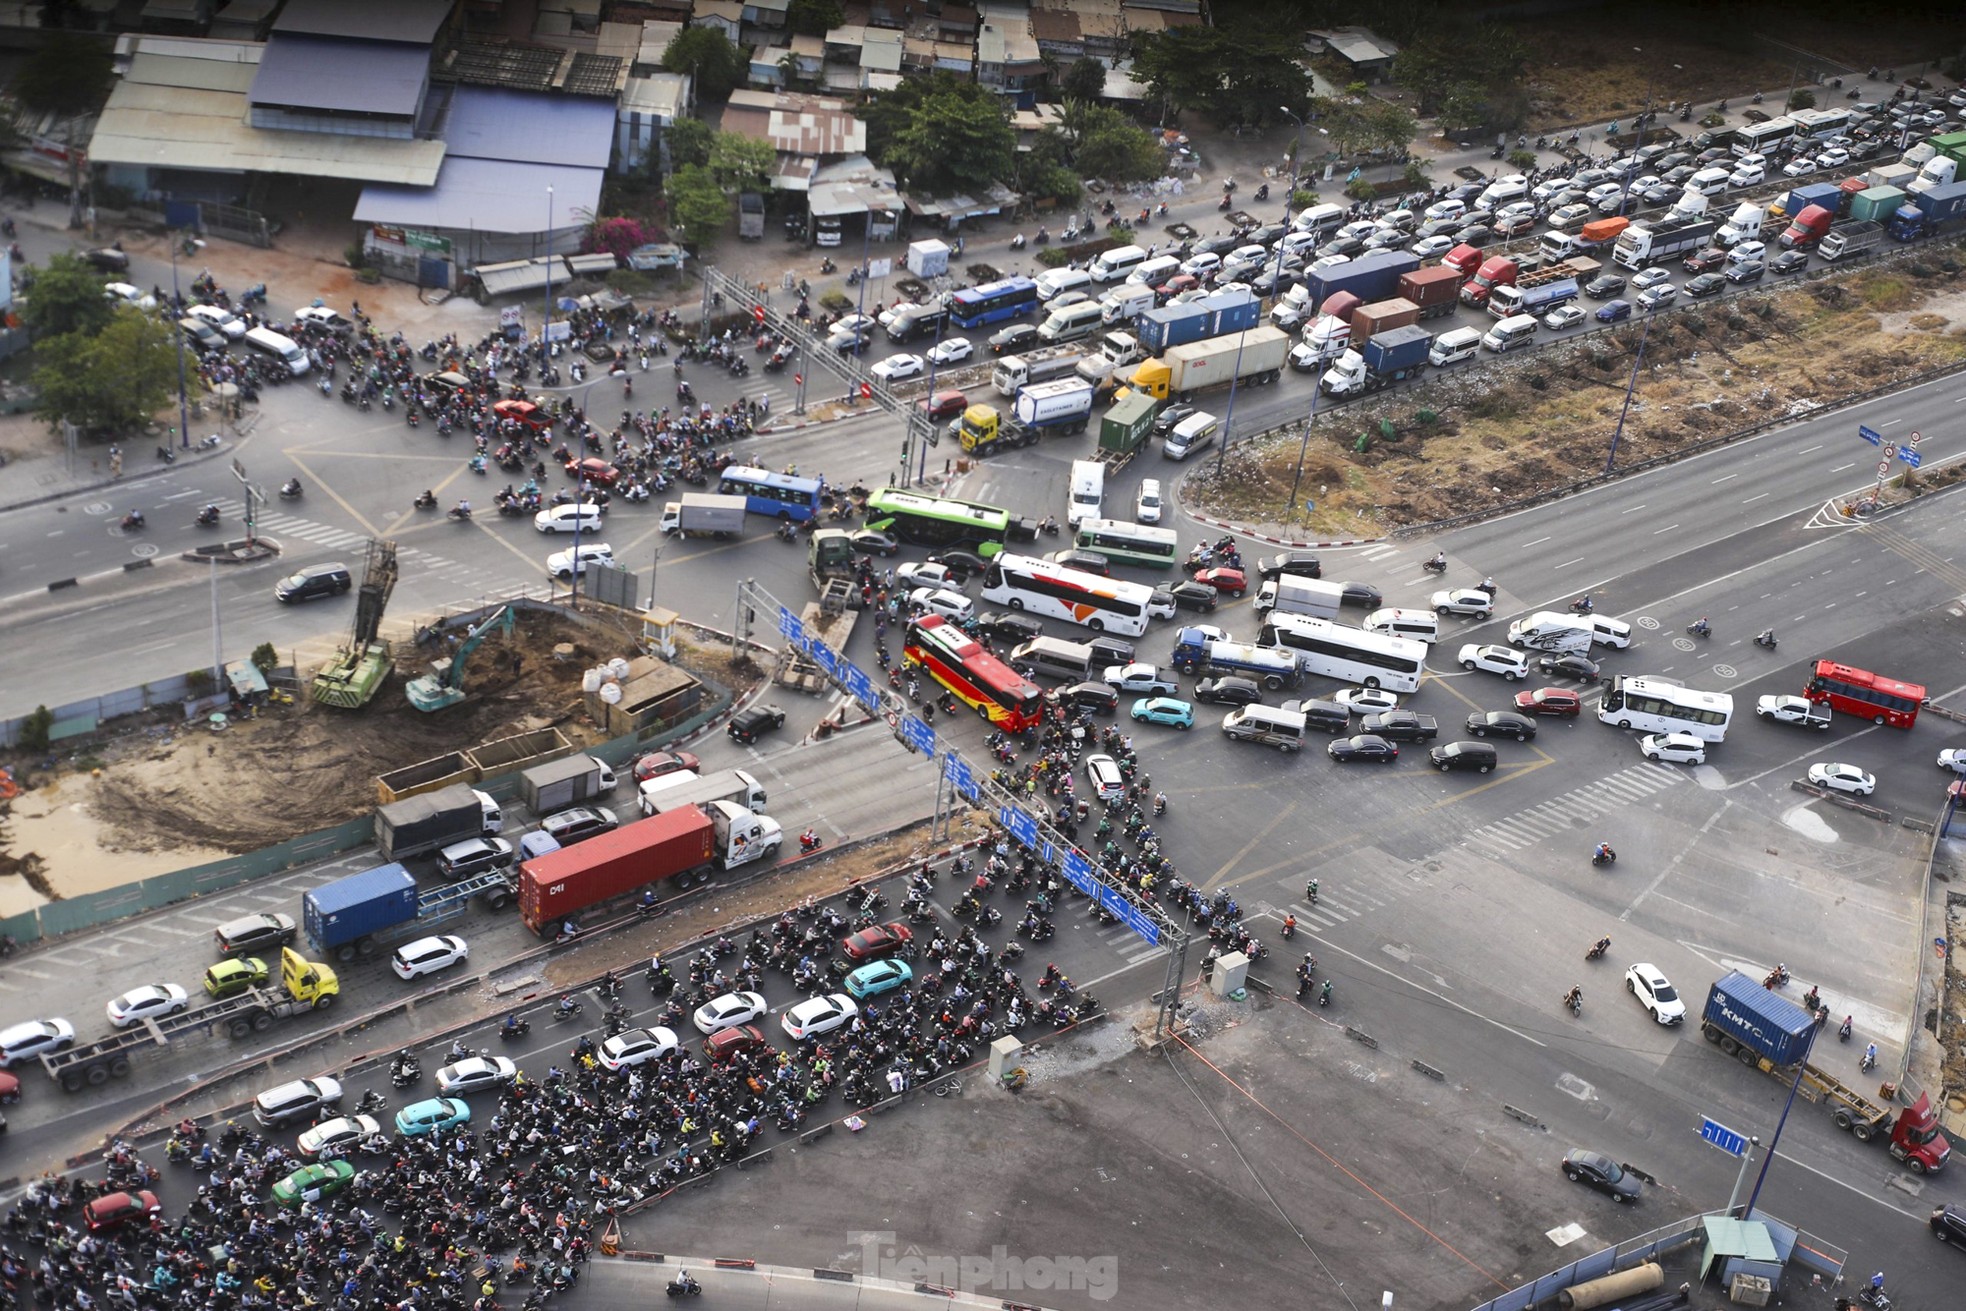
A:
[(1793, 710), (1401, 726)]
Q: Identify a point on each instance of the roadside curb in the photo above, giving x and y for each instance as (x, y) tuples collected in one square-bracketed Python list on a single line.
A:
[(1283, 541), (186, 457)]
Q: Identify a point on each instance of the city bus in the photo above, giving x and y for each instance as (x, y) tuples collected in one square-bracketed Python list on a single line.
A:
[(1821, 124), (1350, 655), (993, 302), (1866, 695), (942, 523), (1131, 543), (976, 678), (780, 495), (1103, 604), (1760, 138), (1652, 705)]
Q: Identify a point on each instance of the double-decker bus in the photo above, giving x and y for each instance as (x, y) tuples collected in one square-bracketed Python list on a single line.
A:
[(1870, 696), (780, 495), (993, 302), (1759, 138), (1043, 588), (978, 679), (1652, 705), (1350, 655), (943, 523), (1131, 543)]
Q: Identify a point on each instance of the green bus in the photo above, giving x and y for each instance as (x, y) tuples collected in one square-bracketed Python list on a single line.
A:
[(1119, 540), (942, 524)]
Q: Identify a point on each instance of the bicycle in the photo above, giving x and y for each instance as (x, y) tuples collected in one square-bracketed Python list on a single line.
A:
[(947, 1088)]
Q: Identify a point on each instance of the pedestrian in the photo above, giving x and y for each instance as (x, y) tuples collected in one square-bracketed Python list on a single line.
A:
[(518, 665)]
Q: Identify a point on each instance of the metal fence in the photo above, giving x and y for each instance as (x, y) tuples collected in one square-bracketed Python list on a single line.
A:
[(76, 718)]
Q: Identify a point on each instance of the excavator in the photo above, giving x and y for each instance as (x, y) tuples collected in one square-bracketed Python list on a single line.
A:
[(443, 686), (358, 671)]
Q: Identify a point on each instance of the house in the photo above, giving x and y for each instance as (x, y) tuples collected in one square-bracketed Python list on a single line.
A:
[(764, 20), (648, 108), (656, 36), (1370, 56), (727, 16), (1057, 34), (807, 131), (880, 61)]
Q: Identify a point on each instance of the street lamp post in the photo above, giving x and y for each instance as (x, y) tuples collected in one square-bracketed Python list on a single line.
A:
[(183, 405), (546, 309), (1611, 459), (1290, 190)]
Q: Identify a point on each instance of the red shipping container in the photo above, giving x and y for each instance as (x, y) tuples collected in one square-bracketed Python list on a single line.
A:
[(564, 882), (1434, 289), (1369, 321)]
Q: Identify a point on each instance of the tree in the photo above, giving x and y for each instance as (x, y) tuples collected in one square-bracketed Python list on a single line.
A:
[(698, 207), (1184, 66), (740, 163), (813, 17), (1100, 142), (689, 142), (67, 300), (69, 74), (708, 56), (1802, 98), (111, 380), (941, 134), (1237, 74), (1084, 80), (1389, 127)]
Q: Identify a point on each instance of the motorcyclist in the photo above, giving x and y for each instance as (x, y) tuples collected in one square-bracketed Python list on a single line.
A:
[(1575, 997), (1603, 945), (134, 519), (1584, 603), (512, 1023), (1604, 852), (1439, 561), (463, 508), (428, 498), (291, 487), (1289, 925), (1310, 892), (1766, 637), (567, 1004), (1701, 627)]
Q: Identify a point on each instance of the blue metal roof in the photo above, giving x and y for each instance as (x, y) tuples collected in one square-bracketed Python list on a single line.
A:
[(487, 195), (327, 73), (531, 128)]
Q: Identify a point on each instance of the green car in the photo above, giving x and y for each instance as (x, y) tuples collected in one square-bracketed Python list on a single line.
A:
[(235, 975), (311, 1183), (1165, 710)]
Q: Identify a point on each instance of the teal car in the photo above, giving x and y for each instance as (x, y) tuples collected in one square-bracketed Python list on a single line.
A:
[(1165, 710), (878, 976), (432, 1114), (311, 1183)]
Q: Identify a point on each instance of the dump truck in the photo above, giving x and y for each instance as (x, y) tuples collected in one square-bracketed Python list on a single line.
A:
[(303, 987), (1434, 290), (1766, 1031), (1294, 594), (704, 514), (1385, 359), (738, 785), (1061, 406), (430, 821), (1125, 427), (1254, 358), (1649, 243), (558, 784), (356, 917), (1851, 240), (1230, 310), (673, 849)]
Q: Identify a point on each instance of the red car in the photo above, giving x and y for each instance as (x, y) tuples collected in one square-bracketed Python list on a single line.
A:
[(657, 763), (9, 1088), (1705, 261), (595, 470), (943, 405), (113, 1210), (1231, 581), (726, 1043), (1175, 285), (881, 940), (524, 412), (1549, 701)]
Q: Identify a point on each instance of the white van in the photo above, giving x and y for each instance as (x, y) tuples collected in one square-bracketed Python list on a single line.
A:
[(1113, 265), (1420, 625), (1320, 219), (1155, 271), (1125, 303), (268, 342), (1053, 282), (1282, 729), (1516, 330), (1502, 191), (1088, 491), (1071, 323), (1054, 657), (1708, 181), (1610, 632), (1190, 435), (1454, 346)]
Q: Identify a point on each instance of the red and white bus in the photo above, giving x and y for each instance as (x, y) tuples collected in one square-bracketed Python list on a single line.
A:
[(1866, 695), (978, 679)]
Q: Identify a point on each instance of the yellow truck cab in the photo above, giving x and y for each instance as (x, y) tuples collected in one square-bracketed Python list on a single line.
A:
[(308, 981)]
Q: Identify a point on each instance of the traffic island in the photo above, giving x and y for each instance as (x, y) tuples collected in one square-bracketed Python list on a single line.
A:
[(248, 550)]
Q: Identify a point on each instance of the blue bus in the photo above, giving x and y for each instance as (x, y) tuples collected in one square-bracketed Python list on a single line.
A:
[(780, 495), (972, 307)]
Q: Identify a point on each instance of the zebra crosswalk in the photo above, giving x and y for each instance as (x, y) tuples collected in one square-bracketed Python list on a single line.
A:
[(292, 527), (1560, 816)]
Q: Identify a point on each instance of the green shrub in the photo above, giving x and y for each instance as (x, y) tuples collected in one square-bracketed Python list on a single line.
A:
[(1053, 257), (198, 681), (265, 658), (34, 730)]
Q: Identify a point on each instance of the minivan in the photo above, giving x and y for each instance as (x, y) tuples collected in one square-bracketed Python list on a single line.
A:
[(1113, 265), (1071, 323), (1155, 271), (1610, 632), (1268, 725), (1190, 435), (1052, 282), (1320, 219), (1516, 330), (285, 349), (1454, 346), (1502, 191), (1420, 625), (1054, 657), (1325, 716), (1125, 302), (300, 1099), (312, 581), (1478, 756), (1708, 181)]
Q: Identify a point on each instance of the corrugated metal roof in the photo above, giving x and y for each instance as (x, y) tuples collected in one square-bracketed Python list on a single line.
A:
[(663, 94), (414, 22), (332, 73), (796, 124), (528, 127), (486, 195), (194, 74), (518, 275), (599, 262)]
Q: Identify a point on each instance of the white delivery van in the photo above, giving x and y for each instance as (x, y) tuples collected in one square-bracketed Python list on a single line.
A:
[(1282, 729), (1124, 303), (285, 349), (1420, 625), (1071, 323), (1088, 491), (1054, 657), (1113, 265), (1053, 282), (1453, 346), (1190, 435), (1516, 330), (1320, 219), (1502, 191), (1155, 271)]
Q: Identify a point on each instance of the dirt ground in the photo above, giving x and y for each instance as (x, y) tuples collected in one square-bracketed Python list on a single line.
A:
[(1474, 442)]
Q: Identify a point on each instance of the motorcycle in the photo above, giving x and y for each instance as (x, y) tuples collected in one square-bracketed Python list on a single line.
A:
[(1224, 203), (208, 443), (810, 842), (1263, 192), (1699, 629), (683, 1285), (1044, 237), (1598, 949), (1324, 996), (826, 266), (510, 1032), (787, 533), (1049, 527), (405, 1072), (1437, 565), (167, 455), (1604, 858), (133, 521), (1574, 999), (460, 514), (208, 517), (567, 1011), (1581, 607), (1766, 637), (371, 1102)]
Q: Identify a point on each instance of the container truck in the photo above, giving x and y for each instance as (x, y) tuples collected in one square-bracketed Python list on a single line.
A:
[(1827, 194), (303, 987), (1369, 277), (1324, 341), (1013, 373), (1231, 310), (1115, 350), (1294, 594), (1434, 290), (742, 836), (558, 784), (430, 821), (1808, 229), (1936, 172), (1766, 1031), (1876, 204), (1061, 406), (1383, 316), (1935, 207), (1558, 634), (1253, 358), (1748, 222), (674, 848), (1125, 427), (1851, 240), (1540, 299), (736, 785), (1892, 175), (1463, 259), (362, 914), (709, 514), (1649, 243), (1381, 361), (1196, 653)]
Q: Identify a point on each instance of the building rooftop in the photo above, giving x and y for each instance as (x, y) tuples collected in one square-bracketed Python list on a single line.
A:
[(412, 22), (796, 124), (341, 75)]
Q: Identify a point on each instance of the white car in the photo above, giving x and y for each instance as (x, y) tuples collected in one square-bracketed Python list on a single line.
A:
[(1646, 983), (633, 1046), (1516, 209), (1663, 294), (1794, 710), (950, 350), (1503, 660), (896, 367), (320, 316), (1747, 175), (728, 1011), (1602, 192), (926, 573), (1954, 759), (1147, 506), (1202, 265), (20, 1042), (1564, 316), (564, 564), (1425, 247), (1746, 250), (475, 1072), (340, 1135), (1801, 166), (129, 295), (1571, 216), (224, 320), (1447, 209), (1141, 679), (583, 518), (1324, 262), (1469, 601), (428, 955), (1646, 279), (852, 323), (1358, 230), (1673, 748), (1366, 700), (147, 1002), (1103, 772), (1243, 258), (1838, 777), (817, 1015), (950, 605)]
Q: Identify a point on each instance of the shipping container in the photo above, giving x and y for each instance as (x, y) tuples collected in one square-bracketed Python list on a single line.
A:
[(1876, 203), (1434, 290), (1369, 277), (1763, 1021), (1383, 316), (672, 847), (354, 907)]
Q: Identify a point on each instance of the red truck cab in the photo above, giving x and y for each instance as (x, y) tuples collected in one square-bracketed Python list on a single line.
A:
[(1917, 1140), (1497, 272), (1463, 259), (1809, 228)]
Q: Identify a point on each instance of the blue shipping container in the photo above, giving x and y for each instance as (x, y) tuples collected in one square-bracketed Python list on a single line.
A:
[(1759, 1019), (1827, 194), (1371, 277), (1942, 203), (354, 907), (1210, 316)]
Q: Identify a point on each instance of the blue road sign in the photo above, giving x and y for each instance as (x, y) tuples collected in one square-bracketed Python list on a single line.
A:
[(1909, 456), (957, 771), (1078, 871), (917, 735), (859, 686), (1721, 1136), (1131, 916), (1018, 824), (1870, 435), (790, 626)]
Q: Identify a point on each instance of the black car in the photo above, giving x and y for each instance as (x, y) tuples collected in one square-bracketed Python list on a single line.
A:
[(1476, 235), (1600, 1172), (1467, 191), (1010, 629), (1707, 284), (963, 564), (1363, 595), (1216, 245), (1789, 261), (1478, 756), (1605, 286), (1301, 563), (1096, 697), (1014, 338), (1349, 247), (752, 722), (1265, 235), (1748, 270), (1086, 562), (873, 542), (1228, 690), (1677, 175), (1167, 419), (1949, 1224), (1273, 282), (1365, 746), (1581, 668), (1194, 596), (1502, 723), (108, 259)]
